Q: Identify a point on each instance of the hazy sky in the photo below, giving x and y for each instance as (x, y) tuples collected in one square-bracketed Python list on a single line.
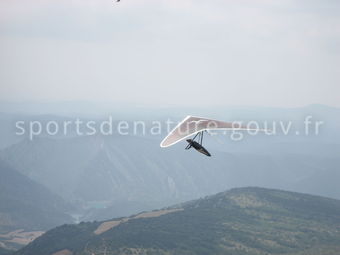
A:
[(180, 52)]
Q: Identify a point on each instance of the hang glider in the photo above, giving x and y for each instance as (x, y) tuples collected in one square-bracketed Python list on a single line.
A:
[(196, 126)]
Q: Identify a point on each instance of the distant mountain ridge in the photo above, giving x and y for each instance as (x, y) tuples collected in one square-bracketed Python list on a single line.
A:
[(247, 221), (107, 171), (113, 176)]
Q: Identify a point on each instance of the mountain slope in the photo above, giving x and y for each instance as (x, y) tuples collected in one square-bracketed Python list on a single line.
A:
[(25, 204), (240, 221), (5, 251), (104, 172)]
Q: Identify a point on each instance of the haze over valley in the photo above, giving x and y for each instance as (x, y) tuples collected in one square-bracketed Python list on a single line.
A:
[(106, 176)]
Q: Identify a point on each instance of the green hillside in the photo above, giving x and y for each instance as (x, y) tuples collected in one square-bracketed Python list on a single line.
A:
[(244, 221)]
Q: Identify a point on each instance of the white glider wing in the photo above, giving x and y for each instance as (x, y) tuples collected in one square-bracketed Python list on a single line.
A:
[(192, 125)]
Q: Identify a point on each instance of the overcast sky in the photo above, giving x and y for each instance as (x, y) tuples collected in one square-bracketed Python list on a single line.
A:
[(174, 52)]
